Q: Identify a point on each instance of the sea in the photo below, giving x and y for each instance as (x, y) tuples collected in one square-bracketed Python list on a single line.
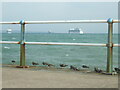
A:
[(92, 56)]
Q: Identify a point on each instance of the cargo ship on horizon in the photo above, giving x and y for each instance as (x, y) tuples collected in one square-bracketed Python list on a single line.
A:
[(75, 30)]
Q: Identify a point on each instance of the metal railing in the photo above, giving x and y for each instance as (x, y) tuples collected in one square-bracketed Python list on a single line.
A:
[(22, 42)]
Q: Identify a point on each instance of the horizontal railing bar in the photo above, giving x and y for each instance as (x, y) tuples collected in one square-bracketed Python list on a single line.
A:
[(70, 21), (54, 43), (66, 21), (73, 44), (61, 21), (9, 42), (116, 45), (116, 21), (14, 22)]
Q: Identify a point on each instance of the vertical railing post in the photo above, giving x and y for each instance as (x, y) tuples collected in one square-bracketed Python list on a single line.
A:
[(110, 47), (22, 44)]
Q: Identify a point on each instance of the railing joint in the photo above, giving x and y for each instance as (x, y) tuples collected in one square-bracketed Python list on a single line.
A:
[(110, 21), (22, 22), (110, 45)]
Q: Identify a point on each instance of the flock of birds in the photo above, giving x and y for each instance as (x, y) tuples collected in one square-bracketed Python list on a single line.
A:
[(98, 70)]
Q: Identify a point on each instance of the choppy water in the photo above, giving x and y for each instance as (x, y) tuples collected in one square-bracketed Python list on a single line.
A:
[(71, 55)]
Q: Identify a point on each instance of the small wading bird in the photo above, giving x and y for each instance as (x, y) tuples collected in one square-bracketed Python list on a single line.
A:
[(13, 61), (74, 68), (50, 65), (98, 70), (117, 70), (63, 65), (84, 66), (34, 63), (45, 63)]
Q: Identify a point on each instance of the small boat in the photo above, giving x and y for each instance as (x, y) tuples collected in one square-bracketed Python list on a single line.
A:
[(81, 32), (9, 30)]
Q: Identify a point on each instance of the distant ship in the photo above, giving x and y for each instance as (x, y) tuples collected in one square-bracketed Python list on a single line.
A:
[(9, 30), (75, 30), (49, 31)]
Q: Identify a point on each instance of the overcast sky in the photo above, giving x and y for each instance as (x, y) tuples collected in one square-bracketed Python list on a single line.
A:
[(60, 11)]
